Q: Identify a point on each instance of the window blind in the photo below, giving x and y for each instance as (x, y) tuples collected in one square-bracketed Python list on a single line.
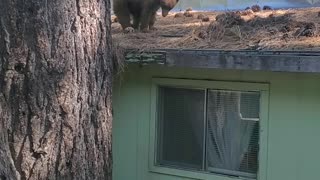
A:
[(209, 130)]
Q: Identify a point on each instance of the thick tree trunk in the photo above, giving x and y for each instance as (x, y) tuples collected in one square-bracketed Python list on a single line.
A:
[(55, 89)]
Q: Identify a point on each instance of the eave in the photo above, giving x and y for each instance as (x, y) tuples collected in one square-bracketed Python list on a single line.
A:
[(275, 61)]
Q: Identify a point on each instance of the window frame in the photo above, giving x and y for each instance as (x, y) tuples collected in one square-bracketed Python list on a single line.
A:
[(263, 88)]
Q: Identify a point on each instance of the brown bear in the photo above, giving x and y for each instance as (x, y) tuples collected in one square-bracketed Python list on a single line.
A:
[(143, 12)]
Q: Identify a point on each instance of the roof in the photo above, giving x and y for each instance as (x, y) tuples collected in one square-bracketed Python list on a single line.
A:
[(290, 29)]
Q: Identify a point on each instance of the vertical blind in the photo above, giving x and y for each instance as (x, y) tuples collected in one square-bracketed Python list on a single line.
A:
[(209, 130)]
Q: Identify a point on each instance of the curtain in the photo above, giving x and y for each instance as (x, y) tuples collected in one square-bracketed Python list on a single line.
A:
[(228, 135), (231, 142)]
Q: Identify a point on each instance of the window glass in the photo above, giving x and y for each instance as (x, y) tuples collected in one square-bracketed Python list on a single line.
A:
[(209, 130), (232, 142), (181, 127)]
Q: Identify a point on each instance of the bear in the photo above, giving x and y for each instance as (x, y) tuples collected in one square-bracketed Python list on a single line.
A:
[(143, 12)]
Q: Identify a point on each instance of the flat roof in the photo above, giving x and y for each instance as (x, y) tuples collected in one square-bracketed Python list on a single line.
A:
[(282, 29)]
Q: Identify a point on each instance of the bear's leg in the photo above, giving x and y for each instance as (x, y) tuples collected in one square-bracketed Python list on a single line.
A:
[(145, 19), (122, 12), (136, 21), (152, 21)]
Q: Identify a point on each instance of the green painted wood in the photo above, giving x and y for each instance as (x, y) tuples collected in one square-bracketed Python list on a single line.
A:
[(293, 123), (157, 57)]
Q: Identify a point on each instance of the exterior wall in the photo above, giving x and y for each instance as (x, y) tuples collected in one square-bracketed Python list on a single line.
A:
[(293, 132)]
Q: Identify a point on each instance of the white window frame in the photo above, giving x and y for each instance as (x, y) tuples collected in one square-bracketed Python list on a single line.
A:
[(263, 88)]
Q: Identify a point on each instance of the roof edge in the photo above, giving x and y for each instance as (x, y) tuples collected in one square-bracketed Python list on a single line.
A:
[(275, 61)]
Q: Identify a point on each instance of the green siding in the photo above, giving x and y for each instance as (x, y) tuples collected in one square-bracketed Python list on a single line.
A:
[(293, 132)]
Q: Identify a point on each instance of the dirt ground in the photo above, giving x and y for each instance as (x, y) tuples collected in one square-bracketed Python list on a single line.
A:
[(253, 29)]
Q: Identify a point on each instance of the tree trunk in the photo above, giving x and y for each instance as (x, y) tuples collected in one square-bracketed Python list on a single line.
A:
[(55, 89)]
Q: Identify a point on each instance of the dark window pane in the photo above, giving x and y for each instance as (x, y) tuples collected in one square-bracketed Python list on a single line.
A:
[(249, 106), (181, 117), (233, 140)]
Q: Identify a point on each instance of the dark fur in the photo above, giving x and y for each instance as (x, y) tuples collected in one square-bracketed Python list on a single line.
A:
[(143, 12)]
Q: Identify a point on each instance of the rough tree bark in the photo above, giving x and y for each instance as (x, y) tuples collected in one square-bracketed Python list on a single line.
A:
[(55, 89)]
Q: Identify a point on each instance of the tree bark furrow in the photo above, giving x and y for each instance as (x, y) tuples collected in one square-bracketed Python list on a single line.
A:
[(55, 90)]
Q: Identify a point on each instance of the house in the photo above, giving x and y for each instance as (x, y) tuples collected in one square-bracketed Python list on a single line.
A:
[(204, 114)]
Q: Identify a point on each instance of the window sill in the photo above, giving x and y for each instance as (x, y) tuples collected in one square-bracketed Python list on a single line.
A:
[(193, 174)]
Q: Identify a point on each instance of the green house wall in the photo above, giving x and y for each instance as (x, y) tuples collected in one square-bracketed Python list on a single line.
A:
[(293, 124)]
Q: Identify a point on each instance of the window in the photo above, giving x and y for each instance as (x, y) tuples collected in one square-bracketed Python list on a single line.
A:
[(208, 129)]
